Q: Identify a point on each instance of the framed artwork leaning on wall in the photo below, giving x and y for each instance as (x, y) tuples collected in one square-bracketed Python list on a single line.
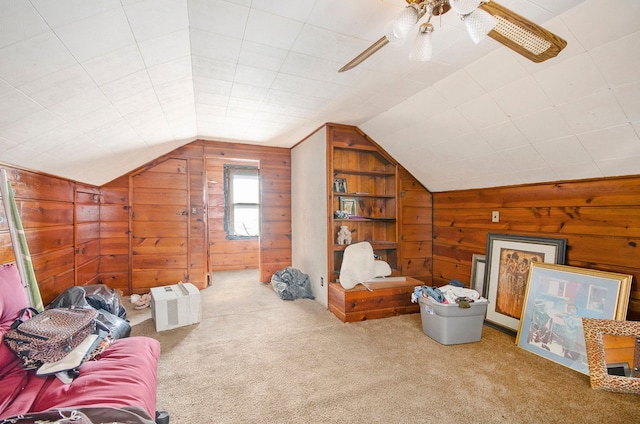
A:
[(558, 297), (509, 258)]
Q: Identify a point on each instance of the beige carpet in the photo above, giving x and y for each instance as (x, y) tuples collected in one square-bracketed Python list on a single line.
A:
[(257, 359)]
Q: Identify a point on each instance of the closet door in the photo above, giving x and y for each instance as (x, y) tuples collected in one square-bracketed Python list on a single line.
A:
[(160, 225)]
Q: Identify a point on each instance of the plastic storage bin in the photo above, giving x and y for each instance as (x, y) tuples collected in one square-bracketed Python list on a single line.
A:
[(175, 306), (450, 324)]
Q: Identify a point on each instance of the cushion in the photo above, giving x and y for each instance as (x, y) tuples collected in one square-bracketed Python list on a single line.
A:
[(12, 296), (359, 265)]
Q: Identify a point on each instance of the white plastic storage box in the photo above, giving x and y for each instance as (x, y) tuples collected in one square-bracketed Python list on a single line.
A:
[(449, 323), (175, 306)]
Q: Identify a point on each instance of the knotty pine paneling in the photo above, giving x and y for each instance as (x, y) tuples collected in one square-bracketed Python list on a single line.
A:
[(275, 179), (599, 218), (47, 207)]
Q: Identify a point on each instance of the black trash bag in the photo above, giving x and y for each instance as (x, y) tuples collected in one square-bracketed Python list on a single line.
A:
[(77, 297), (101, 296), (291, 283)]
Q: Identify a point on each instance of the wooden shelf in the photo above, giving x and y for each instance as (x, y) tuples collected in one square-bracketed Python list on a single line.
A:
[(337, 171)]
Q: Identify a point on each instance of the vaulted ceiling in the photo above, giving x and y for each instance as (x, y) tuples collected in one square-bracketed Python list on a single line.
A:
[(90, 90)]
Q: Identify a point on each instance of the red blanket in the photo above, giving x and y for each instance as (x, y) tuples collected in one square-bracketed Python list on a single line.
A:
[(124, 375)]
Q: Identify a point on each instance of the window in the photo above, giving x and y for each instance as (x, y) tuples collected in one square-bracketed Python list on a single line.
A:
[(242, 201)]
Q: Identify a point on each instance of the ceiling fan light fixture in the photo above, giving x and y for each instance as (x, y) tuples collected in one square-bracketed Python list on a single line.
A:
[(479, 23), (398, 29), (422, 47), (464, 7)]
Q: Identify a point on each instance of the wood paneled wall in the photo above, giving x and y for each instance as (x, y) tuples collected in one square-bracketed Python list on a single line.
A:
[(275, 200), (226, 254), (599, 218), (60, 222), (141, 243)]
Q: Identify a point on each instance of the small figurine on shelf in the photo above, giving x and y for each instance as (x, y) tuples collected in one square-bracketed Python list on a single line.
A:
[(341, 215), (344, 235)]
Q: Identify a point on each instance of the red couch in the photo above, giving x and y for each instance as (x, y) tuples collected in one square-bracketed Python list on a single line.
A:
[(124, 377)]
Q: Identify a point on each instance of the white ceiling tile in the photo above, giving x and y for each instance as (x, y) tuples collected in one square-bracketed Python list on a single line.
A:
[(4, 87), (82, 104), (262, 56), (593, 27), (165, 48), (34, 58), (171, 71), (629, 98), (19, 21), (600, 146), (530, 97), (204, 98), (215, 46), (212, 69), (619, 61), (96, 118), (291, 9), (540, 175), (272, 30), (114, 65), (305, 86), (214, 86), (97, 35), (179, 91), (221, 17), (496, 69), (598, 110), (318, 42), (482, 112), (138, 102), (459, 88), (258, 77), (31, 126), (522, 158), (573, 171), (546, 124), (127, 86), (567, 150), (620, 166), (248, 92), (503, 136), (154, 18), (58, 86), (571, 79), (15, 105), (63, 12)]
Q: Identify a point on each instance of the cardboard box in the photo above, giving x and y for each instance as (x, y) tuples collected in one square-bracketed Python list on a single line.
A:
[(175, 306), (450, 324)]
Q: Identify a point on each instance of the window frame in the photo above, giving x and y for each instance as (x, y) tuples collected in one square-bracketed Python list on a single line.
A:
[(229, 206)]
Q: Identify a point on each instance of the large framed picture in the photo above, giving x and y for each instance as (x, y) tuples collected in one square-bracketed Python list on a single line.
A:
[(509, 258), (557, 298)]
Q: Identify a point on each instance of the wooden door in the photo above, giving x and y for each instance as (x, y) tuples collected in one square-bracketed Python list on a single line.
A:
[(160, 225)]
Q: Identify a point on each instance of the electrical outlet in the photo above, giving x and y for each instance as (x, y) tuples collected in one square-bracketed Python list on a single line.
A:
[(321, 281), (495, 216)]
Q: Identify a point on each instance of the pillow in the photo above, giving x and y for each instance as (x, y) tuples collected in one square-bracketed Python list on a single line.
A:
[(359, 265), (12, 296)]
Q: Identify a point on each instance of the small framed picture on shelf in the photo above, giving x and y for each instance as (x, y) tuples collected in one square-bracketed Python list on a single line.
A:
[(340, 185), (350, 205)]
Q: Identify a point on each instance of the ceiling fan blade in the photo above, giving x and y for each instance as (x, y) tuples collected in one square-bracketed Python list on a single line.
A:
[(523, 36), (365, 54)]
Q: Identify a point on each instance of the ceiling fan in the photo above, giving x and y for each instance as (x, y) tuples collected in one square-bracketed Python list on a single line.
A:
[(481, 17)]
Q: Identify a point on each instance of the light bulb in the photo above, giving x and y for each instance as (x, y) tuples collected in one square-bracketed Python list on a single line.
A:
[(398, 29), (422, 47), (464, 7), (479, 23)]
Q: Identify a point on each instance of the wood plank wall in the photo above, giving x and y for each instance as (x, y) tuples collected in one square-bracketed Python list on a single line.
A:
[(161, 250), (599, 218), (226, 254), (59, 219)]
